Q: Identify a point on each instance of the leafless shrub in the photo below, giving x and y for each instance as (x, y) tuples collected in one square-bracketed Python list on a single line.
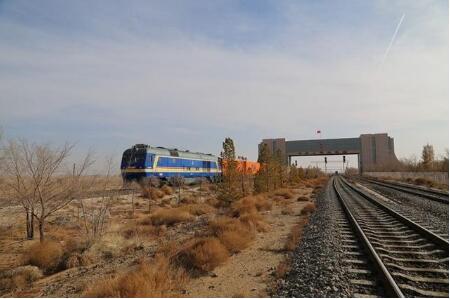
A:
[(38, 181), (178, 183), (95, 216)]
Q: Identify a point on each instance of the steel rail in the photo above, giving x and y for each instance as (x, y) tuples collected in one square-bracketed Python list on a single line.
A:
[(390, 286), (417, 187), (413, 191), (438, 240)]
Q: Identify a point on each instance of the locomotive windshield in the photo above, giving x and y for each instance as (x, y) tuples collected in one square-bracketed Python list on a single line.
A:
[(133, 158)]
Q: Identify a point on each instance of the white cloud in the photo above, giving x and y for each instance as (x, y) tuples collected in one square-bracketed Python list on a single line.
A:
[(196, 85)]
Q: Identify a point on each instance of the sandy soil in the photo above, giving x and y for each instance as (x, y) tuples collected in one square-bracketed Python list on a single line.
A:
[(248, 273)]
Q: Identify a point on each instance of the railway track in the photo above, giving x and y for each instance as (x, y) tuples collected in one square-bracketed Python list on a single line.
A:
[(388, 254), (435, 195)]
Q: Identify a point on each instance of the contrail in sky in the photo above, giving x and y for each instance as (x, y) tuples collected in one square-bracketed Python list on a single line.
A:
[(393, 39)]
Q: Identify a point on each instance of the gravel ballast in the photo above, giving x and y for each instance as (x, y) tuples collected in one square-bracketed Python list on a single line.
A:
[(425, 211), (317, 269)]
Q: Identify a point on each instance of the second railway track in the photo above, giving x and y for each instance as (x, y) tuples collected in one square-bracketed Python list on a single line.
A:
[(408, 259), (434, 195)]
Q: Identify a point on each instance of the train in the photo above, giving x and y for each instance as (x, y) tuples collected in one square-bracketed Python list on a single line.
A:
[(144, 162), (244, 166)]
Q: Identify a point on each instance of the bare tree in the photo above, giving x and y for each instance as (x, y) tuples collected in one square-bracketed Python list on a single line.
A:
[(96, 214), (444, 163), (428, 156), (410, 164), (95, 217), (177, 182), (35, 174)]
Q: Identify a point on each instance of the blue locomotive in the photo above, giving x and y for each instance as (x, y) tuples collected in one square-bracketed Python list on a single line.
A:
[(143, 162)]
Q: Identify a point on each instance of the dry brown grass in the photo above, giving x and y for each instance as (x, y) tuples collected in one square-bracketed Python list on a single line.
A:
[(156, 279), (74, 244), (145, 221), (308, 208), (152, 193), (318, 182), (244, 206), (233, 234), (188, 199), (235, 241), (170, 216), (133, 231), (78, 260), (251, 205), (262, 203), (427, 183), (285, 193), (255, 221), (110, 246), (198, 209), (287, 211), (205, 254), (282, 269), (223, 224), (295, 235), (303, 198), (73, 261), (212, 201), (204, 187), (167, 190), (46, 255), (19, 278)]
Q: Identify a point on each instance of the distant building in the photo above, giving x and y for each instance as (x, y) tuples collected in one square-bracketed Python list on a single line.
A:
[(375, 151)]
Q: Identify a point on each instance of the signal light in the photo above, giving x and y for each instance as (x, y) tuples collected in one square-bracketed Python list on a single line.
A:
[(326, 160), (343, 159)]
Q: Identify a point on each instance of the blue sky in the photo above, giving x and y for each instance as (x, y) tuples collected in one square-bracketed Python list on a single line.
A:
[(108, 74)]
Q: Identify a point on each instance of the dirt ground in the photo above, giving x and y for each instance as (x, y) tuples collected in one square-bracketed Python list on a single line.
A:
[(245, 274), (249, 273)]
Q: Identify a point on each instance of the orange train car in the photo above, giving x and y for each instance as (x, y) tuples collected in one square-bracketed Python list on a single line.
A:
[(244, 166)]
